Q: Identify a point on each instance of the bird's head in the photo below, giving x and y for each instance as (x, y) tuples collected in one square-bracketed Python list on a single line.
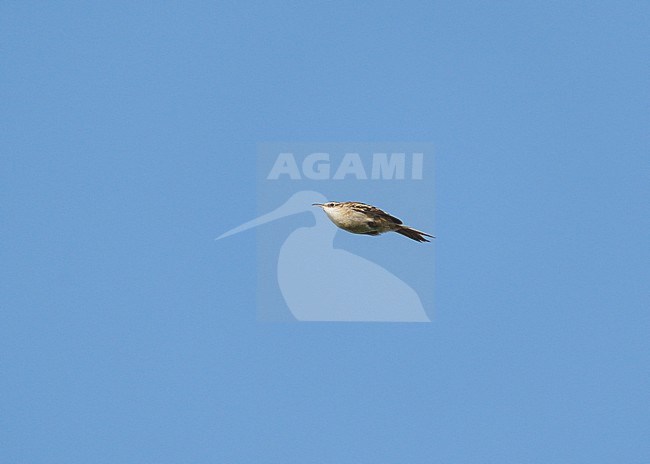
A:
[(329, 206)]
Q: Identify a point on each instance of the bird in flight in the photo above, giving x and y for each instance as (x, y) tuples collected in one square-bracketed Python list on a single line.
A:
[(360, 218)]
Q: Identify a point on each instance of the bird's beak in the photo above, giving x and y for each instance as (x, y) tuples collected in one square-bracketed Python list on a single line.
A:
[(317, 204)]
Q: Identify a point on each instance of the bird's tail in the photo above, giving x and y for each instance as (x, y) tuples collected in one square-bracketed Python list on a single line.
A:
[(413, 234)]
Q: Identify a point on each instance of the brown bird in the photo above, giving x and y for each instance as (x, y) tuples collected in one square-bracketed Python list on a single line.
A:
[(360, 218)]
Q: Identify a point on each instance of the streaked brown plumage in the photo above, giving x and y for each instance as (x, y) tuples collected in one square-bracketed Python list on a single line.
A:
[(360, 218)]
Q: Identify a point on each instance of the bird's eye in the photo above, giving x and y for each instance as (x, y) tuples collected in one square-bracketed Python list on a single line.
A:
[(331, 204)]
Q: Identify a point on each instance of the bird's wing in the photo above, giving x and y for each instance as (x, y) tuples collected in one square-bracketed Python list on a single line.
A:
[(373, 211)]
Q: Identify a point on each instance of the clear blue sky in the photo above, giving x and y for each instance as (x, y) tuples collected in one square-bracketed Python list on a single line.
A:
[(129, 134)]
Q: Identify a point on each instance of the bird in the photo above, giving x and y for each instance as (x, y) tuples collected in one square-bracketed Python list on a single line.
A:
[(360, 218)]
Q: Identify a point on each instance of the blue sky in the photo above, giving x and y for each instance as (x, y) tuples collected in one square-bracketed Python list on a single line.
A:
[(127, 334)]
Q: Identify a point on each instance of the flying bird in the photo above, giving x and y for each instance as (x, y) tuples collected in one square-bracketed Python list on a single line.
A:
[(359, 218)]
